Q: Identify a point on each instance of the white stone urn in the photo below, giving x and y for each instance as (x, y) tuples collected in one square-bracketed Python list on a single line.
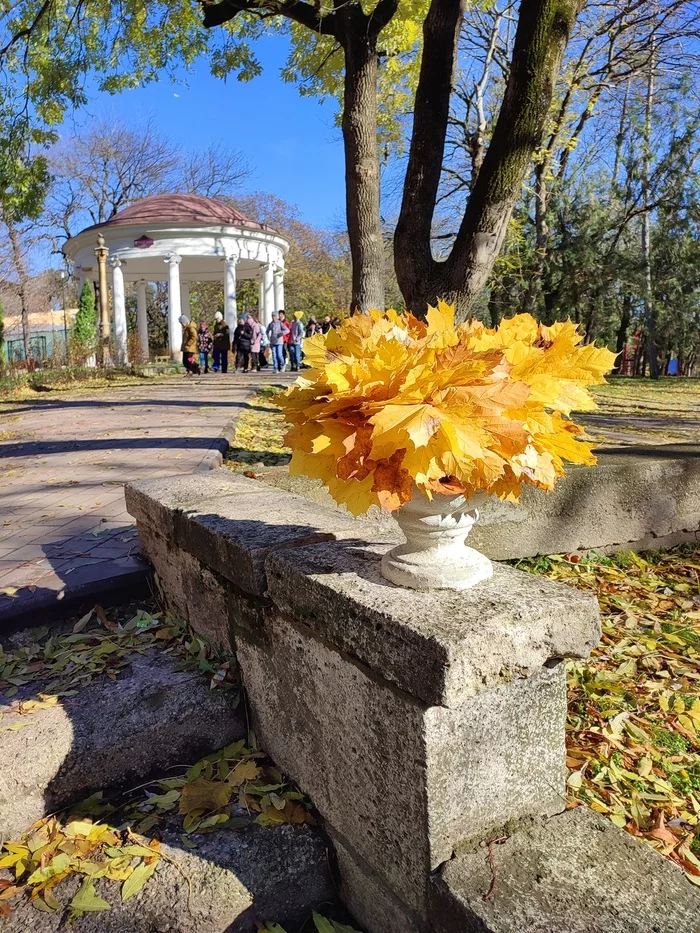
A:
[(435, 555)]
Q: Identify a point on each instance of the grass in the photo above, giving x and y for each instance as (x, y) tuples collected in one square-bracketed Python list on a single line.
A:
[(633, 726), (22, 386)]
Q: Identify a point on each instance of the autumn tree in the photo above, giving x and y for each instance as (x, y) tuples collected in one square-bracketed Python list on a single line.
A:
[(130, 48), (24, 178)]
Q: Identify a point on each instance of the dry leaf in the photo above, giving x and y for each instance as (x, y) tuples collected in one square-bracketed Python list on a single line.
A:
[(204, 795)]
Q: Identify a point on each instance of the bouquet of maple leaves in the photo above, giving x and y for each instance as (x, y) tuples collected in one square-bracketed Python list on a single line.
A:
[(392, 403)]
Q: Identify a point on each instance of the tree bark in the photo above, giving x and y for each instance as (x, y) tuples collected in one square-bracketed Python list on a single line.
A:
[(623, 328), (544, 27), (362, 190), (23, 281), (649, 312), (417, 272)]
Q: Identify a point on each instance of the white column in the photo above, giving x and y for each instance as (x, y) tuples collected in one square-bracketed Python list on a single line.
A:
[(185, 306), (230, 303), (174, 312), (268, 293), (142, 319), (119, 304), (261, 302), (279, 288)]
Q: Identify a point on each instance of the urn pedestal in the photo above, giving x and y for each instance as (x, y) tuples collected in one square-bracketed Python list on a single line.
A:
[(435, 555)]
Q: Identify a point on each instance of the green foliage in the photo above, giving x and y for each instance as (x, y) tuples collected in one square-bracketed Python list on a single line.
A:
[(3, 358), (85, 325), (83, 336)]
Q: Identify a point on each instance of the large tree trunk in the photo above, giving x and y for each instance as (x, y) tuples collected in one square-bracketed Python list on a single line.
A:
[(544, 27), (649, 311), (362, 171), (22, 283)]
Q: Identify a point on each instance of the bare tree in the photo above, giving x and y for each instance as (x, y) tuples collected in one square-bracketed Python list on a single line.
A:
[(216, 172), (99, 172)]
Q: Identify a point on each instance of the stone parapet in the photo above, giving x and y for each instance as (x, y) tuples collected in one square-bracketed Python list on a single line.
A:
[(416, 721), (636, 498)]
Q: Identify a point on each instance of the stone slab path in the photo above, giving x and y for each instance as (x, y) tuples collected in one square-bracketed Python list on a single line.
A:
[(64, 459)]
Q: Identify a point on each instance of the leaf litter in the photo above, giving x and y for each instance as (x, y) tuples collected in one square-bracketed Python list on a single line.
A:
[(633, 726), (118, 838)]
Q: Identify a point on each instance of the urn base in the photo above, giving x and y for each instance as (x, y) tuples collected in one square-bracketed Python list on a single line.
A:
[(422, 571)]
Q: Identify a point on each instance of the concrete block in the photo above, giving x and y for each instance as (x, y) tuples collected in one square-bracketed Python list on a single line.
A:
[(499, 756), (441, 646), (234, 535), (367, 897), (573, 873), (402, 783), (156, 716), (350, 742), (155, 501), (635, 498), (232, 881)]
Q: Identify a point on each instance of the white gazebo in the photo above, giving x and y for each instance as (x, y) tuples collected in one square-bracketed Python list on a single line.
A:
[(180, 239)]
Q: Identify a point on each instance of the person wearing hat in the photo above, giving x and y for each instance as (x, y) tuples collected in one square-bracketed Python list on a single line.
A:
[(242, 341), (296, 338), (222, 343), (189, 345)]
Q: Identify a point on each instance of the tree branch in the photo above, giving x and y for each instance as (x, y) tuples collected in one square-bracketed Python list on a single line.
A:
[(216, 14)]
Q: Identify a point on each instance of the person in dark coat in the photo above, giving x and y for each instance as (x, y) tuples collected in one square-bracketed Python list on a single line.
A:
[(242, 342), (222, 343)]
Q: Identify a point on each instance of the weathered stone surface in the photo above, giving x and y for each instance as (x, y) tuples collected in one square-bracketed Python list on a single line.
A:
[(111, 731), (402, 783), (354, 745), (234, 535), (237, 879), (438, 645), (367, 897), (574, 873), (635, 498), (154, 501), (499, 756)]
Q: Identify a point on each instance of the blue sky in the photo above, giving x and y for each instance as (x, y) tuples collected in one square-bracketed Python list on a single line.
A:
[(291, 142)]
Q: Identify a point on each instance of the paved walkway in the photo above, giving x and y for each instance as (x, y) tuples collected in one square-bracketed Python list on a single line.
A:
[(64, 530)]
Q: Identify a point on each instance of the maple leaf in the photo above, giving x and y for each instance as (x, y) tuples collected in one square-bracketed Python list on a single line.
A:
[(487, 408), (204, 795)]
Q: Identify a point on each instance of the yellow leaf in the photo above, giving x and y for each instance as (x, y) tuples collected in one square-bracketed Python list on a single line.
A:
[(204, 795), (244, 771), (137, 879), (78, 828)]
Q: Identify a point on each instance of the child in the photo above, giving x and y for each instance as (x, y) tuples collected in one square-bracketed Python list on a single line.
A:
[(205, 345)]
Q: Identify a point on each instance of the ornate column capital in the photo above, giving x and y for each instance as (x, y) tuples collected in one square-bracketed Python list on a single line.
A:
[(232, 259), (101, 251), (115, 262), (173, 259)]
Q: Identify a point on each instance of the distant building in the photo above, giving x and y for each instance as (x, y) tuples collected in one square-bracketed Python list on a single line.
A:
[(46, 321)]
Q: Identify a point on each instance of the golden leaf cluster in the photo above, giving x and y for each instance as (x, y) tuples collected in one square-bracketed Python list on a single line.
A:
[(391, 401), (633, 725)]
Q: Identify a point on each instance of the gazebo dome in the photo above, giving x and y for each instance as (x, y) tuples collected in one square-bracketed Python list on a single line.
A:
[(184, 209)]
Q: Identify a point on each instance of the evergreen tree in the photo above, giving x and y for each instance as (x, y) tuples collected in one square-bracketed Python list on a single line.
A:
[(85, 325)]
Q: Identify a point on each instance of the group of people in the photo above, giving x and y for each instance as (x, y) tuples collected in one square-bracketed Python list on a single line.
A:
[(254, 346)]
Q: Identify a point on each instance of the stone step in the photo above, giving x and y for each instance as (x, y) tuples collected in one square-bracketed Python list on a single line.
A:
[(232, 881), (573, 873), (111, 732)]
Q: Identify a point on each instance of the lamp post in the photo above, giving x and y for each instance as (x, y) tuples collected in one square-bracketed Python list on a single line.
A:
[(65, 319), (102, 252)]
